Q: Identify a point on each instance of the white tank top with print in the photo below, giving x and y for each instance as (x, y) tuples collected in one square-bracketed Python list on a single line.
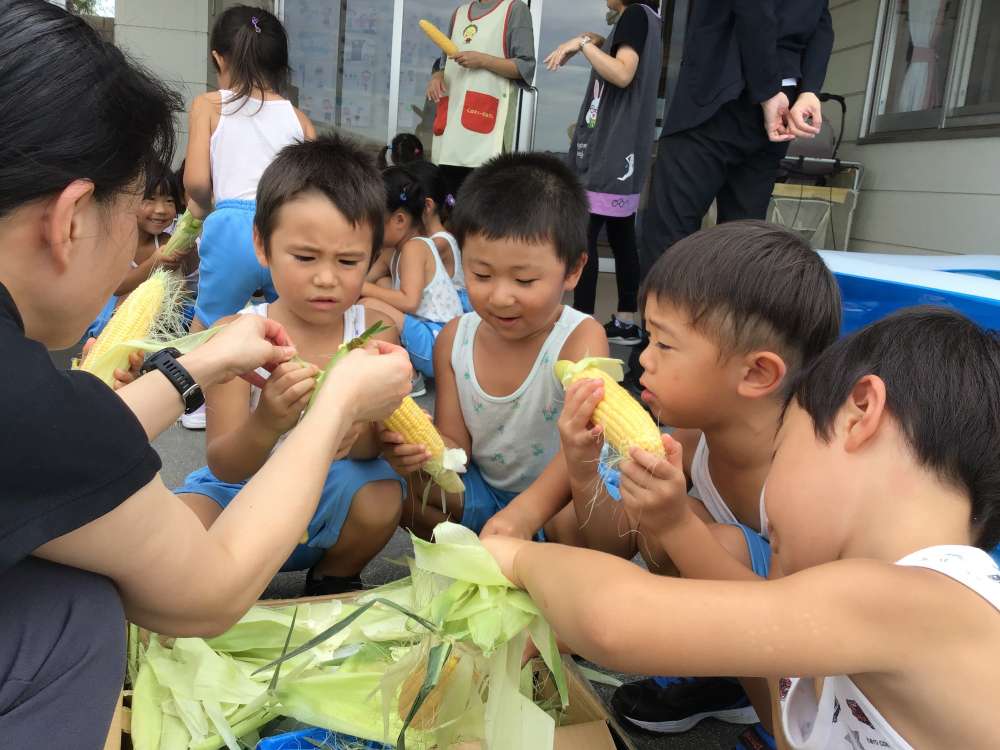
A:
[(354, 326), (440, 302), (845, 719), (458, 279), (710, 496), (513, 437)]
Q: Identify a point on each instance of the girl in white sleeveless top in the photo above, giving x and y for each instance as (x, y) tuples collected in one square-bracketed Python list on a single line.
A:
[(410, 275), (235, 133)]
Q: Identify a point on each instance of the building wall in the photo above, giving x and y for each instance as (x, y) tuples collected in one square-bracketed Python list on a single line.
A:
[(927, 197)]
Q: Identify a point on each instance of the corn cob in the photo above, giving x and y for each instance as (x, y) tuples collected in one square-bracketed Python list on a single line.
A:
[(432, 31), (410, 422), (186, 232), (426, 716), (153, 308), (625, 422)]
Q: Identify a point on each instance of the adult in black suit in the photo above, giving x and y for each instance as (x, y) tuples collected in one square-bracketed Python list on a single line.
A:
[(749, 82)]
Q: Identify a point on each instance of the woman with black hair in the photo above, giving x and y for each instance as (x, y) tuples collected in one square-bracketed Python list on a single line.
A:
[(612, 146), (89, 535)]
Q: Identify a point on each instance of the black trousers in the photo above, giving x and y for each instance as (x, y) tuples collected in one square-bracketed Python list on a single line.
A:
[(62, 656), (621, 237), (727, 158)]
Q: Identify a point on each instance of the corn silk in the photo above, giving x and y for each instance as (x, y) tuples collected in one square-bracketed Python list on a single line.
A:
[(428, 661)]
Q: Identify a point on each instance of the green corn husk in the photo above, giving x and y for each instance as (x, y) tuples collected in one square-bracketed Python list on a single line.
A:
[(116, 358), (350, 346), (187, 230), (450, 637)]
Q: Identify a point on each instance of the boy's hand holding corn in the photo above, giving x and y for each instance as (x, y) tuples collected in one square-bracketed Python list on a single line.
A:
[(122, 377), (400, 455), (654, 489), (284, 396), (579, 437)]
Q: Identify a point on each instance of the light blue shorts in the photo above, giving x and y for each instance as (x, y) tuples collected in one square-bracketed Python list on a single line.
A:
[(346, 477), (996, 555), (483, 501), (418, 337), (101, 321), (463, 297), (230, 273), (760, 548)]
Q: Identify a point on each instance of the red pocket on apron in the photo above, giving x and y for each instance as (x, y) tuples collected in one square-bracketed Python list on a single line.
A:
[(441, 119), (480, 112)]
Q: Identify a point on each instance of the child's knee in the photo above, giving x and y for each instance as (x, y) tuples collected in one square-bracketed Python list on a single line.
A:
[(378, 504)]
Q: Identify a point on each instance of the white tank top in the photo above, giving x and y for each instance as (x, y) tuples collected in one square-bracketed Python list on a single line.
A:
[(354, 326), (440, 302), (844, 718), (710, 496), (513, 437), (246, 141), (458, 279)]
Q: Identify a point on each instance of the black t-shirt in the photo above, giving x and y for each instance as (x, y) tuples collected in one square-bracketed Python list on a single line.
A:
[(631, 30), (70, 449)]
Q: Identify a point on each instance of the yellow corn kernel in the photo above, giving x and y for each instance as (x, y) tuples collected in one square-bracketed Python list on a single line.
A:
[(445, 463), (625, 422), (133, 320), (427, 714), (432, 31)]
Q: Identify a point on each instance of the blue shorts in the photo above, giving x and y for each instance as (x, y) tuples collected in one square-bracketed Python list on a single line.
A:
[(463, 297), (346, 477), (418, 337), (101, 321), (996, 555), (483, 501), (230, 273), (760, 548)]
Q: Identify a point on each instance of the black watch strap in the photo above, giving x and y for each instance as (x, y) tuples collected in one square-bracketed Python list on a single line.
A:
[(166, 362)]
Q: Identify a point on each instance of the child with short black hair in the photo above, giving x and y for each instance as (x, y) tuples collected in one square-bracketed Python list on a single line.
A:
[(883, 495), (411, 283), (319, 219), (521, 225), (734, 312)]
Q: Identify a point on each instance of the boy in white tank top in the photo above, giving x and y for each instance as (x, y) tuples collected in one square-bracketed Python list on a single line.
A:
[(733, 312), (319, 223), (521, 227), (883, 497)]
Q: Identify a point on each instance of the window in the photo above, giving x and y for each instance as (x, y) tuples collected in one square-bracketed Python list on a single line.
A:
[(936, 66)]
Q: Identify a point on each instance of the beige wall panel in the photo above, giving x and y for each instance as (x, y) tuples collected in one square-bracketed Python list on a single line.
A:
[(848, 70), (180, 15), (854, 23)]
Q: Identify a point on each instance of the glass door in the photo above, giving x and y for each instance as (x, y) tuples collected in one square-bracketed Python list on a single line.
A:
[(341, 57)]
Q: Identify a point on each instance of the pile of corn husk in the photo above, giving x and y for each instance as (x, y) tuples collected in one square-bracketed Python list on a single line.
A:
[(428, 661)]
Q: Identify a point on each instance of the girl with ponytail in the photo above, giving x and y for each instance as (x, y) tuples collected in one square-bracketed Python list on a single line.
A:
[(411, 284), (235, 133)]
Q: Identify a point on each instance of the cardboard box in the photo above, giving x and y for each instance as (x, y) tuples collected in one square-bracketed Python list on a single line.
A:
[(587, 723)]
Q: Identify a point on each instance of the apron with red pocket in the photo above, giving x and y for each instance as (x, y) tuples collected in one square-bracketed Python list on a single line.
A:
[(469, 127)]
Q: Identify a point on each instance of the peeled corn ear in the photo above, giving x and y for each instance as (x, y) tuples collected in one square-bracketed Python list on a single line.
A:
[(447, 46), (154, 308), (446, 463), (184, 235), (625, 422)]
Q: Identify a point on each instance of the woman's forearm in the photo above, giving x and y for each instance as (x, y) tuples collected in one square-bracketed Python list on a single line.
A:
[(614, 70), (503, 67)]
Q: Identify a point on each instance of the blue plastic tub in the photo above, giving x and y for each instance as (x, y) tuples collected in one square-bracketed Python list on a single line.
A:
[(872, 286), (300, 740)]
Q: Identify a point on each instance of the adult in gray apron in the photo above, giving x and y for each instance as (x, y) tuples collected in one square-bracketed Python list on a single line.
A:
[(612, 146)]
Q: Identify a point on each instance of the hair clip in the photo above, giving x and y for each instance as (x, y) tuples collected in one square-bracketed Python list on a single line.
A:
[(402, 196), (416, 151), (450, 200), (255, 26)]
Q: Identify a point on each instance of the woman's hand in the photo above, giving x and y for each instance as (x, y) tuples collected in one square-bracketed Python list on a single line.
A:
[(564, 52), (436, 90), (122, 377), (249, 342), (471, 60), (285, 394), (368, 384)]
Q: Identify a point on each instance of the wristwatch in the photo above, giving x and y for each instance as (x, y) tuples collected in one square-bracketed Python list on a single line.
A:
[(166, 362), (585, 41)]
